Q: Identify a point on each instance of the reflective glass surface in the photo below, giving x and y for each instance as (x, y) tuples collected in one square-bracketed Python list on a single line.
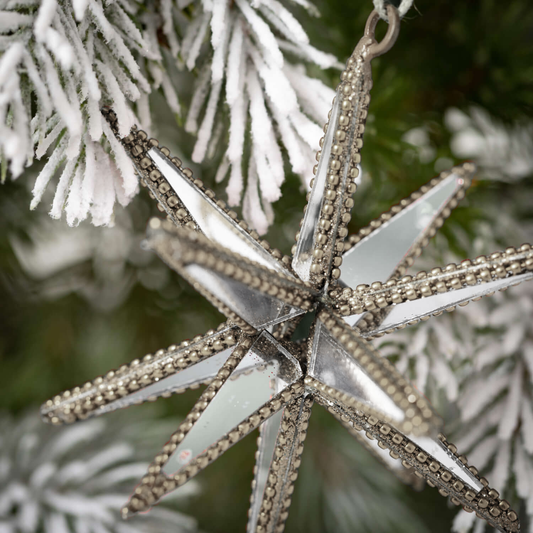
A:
[(213, 222), (376, 257), (408, 311), (272, 370), (201, 371), (352, 319), (303, 257), (270, 430), (269, 434), (198, 373), (258, 309), (332, 365), (435, 448)]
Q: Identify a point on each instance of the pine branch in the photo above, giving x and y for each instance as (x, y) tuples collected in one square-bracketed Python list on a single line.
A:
[(61, 62), (498, 400), (75, 480), (269, 98), (504, 152)]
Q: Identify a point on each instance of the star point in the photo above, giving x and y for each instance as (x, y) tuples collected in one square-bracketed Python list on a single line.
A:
[(260, 370)]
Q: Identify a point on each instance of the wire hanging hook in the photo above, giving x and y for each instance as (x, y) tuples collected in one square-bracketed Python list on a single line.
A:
[(379, 48)]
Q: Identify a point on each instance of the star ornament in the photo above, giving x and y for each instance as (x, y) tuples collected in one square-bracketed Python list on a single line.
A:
[(299, 327)]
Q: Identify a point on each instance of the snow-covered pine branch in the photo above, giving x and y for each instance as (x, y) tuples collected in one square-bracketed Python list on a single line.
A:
[(61, 61), (503, 152), (432, 355), (268, 97), (477, 362), (497, 402), (75, 479)]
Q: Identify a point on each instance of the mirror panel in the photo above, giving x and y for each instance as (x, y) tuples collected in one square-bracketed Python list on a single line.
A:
[(269, 432), (410, 311), (217, 225), (264, 372), (200, 372), (257, 308), (333, 366), (280, 448), (376, 257), (303, 257), (436, 448)]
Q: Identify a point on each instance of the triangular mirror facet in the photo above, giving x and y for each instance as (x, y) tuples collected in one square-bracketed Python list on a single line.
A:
[(412, 311), (246, 292), (258, 309), (377, 256), (330, 364), (347, 369), (268, 436), (204, 370), (164, 373), (212, 221), (264, 372), (303, 257), (278, 459), (436, 449)]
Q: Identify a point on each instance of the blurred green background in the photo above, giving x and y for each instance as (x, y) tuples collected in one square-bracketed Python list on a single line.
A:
[(78, 302)]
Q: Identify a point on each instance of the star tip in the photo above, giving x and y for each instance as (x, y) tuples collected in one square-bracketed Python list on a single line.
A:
[(134, 506), (47, 420), (44, 412), (50, 416), (140, 501)]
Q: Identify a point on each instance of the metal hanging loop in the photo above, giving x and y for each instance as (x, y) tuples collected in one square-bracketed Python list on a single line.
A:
[(378, 48)]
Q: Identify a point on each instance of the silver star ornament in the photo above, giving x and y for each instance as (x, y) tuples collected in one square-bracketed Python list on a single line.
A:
[(298, 328)]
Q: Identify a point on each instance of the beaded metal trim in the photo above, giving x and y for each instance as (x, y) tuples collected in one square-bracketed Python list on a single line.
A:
[(92, 398), (156, 484), (498, 265), (404, 474), (352, 101), (486, 503), (137, 145), (332, 196), (284, 467), (179, 248), (419, 417)]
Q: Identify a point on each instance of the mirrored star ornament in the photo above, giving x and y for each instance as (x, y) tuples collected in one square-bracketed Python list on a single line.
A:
[(298, 329)]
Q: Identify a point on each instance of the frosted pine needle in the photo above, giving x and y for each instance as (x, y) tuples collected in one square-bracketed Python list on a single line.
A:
[(248, 41), (74, 480), (73, 57), (503, 414), (481, 358)]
